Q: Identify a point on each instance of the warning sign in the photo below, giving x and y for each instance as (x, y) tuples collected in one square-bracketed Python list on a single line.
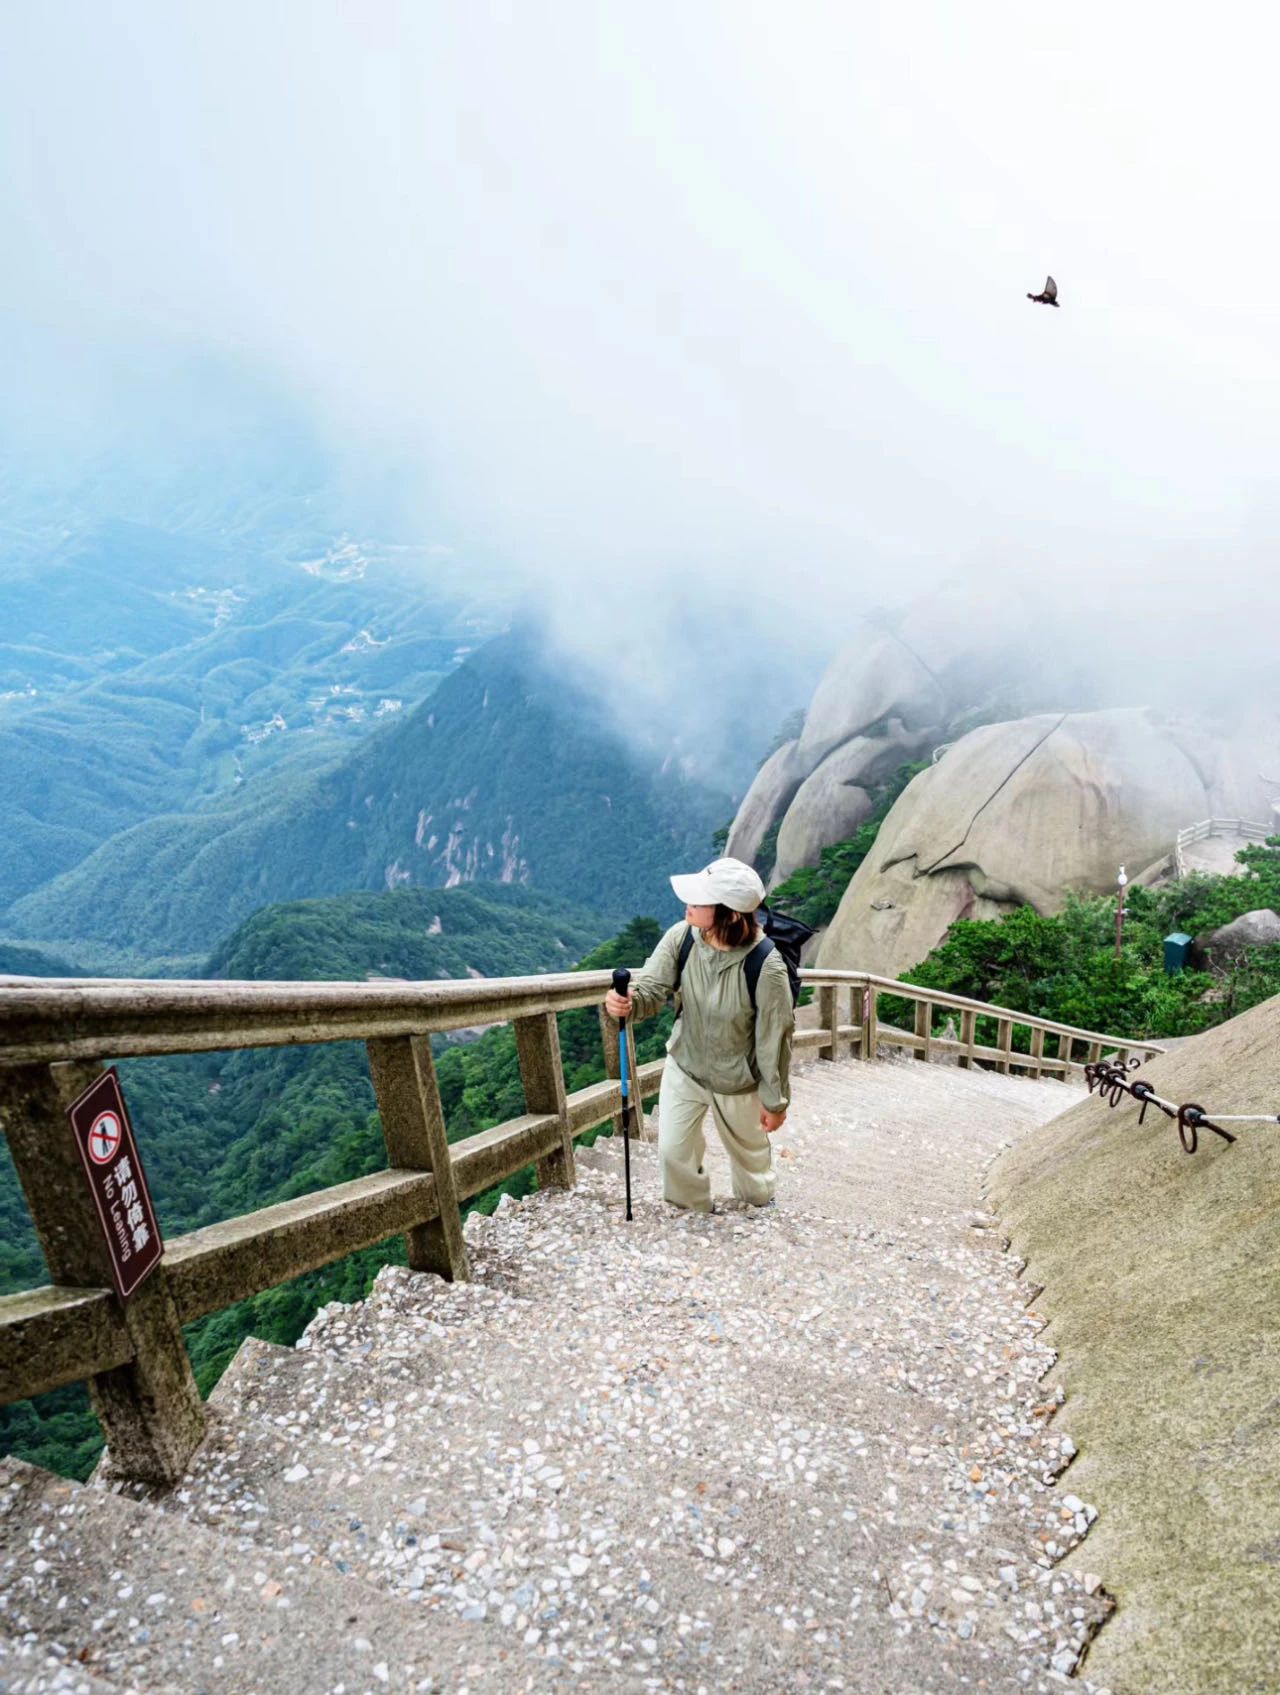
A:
[(104, 1136)]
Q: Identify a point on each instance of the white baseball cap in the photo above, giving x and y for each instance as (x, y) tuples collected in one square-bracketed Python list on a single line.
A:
[(725, 882)]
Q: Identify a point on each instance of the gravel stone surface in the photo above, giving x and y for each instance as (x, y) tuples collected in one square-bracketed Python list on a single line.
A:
[(99, 1593), (27, 1667), (807, 1447)]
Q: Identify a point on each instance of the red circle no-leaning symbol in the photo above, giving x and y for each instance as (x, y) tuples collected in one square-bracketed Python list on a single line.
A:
[(104, 1138)]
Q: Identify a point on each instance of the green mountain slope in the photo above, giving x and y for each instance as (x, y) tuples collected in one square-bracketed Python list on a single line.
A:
[(1067, 967), (495, 931), (145, 673), (507, 774), (19, 961)]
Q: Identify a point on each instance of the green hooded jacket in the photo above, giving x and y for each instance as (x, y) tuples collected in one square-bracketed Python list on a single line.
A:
[(717, 1041)]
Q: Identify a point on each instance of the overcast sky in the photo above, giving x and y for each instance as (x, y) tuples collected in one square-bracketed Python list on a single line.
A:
[(704, 298)]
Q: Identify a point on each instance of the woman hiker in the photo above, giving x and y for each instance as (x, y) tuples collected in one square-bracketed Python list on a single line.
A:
[(720, 1054)]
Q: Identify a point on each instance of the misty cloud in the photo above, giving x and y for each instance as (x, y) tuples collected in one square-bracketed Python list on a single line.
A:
[(702, 326)]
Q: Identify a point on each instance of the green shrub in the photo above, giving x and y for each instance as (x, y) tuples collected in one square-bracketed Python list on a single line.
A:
[(1066, 968)]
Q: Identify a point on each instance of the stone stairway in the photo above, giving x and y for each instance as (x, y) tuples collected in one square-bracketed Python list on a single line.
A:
[(802, 1448)]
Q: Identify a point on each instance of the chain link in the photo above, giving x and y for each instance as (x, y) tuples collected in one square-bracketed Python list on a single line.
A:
[(1112, 1082)]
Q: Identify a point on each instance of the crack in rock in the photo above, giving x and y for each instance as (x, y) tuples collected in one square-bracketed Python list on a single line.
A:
[(924, 871)]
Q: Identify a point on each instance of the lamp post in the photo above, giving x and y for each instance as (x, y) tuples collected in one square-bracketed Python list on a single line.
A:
[(1122, 882)]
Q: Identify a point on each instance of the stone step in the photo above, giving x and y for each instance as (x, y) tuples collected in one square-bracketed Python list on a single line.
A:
[(833, 1280), (892, 1162), (425, 1397), (580, 1558), (29, 1667), (426, 1453), (163, 1605), (602, 1156), (771, 1449), (600, 1333)]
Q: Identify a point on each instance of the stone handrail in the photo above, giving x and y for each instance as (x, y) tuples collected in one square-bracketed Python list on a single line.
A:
[(1245, 828), (56, 1033)]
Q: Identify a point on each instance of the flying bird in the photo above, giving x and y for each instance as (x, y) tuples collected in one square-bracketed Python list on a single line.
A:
[(1048, 296)]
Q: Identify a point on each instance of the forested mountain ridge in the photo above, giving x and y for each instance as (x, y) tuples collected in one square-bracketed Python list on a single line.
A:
[(495, 930), (147, 673), (19, 961), (509, 773)]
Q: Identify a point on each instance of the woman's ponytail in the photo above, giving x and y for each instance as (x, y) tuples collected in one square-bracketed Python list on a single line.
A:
[(734, 929)]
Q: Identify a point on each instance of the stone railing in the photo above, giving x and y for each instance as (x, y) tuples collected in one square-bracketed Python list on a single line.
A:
[(56, 1034), (1244, 828)]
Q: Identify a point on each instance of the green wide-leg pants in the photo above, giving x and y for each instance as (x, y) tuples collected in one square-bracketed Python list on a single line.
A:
[(682, 1109)]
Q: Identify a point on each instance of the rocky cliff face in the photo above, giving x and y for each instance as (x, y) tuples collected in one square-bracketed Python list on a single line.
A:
[(890, 696), (1021, 812), (1159, 1277), (1046, 777)]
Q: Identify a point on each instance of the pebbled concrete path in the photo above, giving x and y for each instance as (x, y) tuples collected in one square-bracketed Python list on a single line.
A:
[(807, 1448)]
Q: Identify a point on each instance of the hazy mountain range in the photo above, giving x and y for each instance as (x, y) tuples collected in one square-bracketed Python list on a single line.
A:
[(198, 720)]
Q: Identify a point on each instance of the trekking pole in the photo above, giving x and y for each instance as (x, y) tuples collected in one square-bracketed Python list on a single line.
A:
[(621, 983)]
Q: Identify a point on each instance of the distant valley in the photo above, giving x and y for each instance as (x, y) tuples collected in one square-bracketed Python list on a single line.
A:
[(236, 703), (147, 674), (506, 774)]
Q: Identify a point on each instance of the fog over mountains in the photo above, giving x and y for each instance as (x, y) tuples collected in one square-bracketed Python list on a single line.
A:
[(237, 701)]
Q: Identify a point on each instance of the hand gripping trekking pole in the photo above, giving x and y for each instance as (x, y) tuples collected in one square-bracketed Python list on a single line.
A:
[(621, 983)]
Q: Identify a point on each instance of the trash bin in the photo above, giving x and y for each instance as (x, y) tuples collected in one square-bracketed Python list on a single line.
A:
[(1176, 948)]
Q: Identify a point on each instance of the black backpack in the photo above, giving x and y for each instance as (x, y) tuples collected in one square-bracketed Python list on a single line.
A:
[(785, 935)]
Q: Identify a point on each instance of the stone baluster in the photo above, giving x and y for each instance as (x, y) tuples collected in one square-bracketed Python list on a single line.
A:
[(403, 1069), (542, 1072), (870, 1022), (829, 1019), (1004, 1042), (924, 1030), (150, 1409), (968, 1025)]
